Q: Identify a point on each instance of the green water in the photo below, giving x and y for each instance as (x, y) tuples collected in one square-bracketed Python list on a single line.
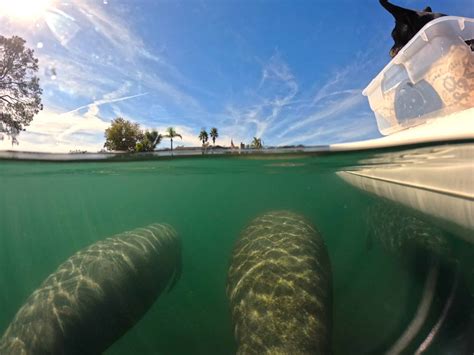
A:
[(50, 210)]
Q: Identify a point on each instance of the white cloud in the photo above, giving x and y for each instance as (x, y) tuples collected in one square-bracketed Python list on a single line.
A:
[(99, 51), (341, 104), (276, 90), (130, 54), (116, 31), (60, 132), (93, 108), (283, 114), (190, 137), (55, 131), (359, 127)]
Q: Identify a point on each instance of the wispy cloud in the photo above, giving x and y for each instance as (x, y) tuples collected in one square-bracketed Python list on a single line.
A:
[(275, 91), (132, 57), (358, 127), (98, 51), (340, 102), (95, 105), (284, 114)]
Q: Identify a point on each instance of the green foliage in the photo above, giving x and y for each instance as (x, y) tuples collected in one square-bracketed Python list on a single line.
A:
[(139, 147), (256, 143), (203, 136), (20, 93), (122, 135), (171, 133), (148, 141), (214, 134)]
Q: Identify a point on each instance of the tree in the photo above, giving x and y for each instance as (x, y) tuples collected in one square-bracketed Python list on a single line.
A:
[(20, 92), (171, 133), (203, 137), (148, 141), (256, 143), (214, 134), (122, 135)]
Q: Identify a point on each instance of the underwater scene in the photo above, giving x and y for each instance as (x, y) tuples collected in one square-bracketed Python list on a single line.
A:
[(282, 253)]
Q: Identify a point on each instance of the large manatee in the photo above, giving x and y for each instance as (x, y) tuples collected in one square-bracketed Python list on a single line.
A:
[(279, 287), (97, 294)]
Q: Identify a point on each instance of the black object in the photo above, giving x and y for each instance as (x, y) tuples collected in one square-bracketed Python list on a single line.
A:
[(407, 23)]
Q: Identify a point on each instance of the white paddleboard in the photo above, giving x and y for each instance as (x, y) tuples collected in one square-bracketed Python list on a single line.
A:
[(437, 181), (457, 126)]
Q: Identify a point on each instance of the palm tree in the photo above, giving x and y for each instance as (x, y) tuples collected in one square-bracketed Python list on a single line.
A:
[(148, 141), (203, 137), (171, 133), (257, 143), (154, 138), (214, 134)]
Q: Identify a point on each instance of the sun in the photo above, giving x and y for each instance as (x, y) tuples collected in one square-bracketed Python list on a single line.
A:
[(24, 10)]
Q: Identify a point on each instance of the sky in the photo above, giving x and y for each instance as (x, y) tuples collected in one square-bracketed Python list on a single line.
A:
[(288, 72)]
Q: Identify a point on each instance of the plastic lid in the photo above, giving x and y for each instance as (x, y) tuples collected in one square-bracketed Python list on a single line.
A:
[(406, 64)]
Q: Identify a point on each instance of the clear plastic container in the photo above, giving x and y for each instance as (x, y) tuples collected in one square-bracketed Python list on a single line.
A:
[(431, 76)]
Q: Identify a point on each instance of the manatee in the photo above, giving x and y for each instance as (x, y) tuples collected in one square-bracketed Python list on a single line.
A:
[(279, 287), (96, 295), (400, 232)]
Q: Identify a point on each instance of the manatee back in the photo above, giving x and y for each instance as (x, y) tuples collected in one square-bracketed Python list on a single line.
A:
[(279, 287), (96, 295), (398, 231)]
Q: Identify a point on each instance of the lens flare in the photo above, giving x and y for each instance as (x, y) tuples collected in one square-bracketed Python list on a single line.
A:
[(23, 10)]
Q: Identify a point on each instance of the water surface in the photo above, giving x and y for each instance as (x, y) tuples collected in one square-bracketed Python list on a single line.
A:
[(49, 210)]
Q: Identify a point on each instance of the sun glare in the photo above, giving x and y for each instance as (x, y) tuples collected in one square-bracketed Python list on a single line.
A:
[(23, 9)]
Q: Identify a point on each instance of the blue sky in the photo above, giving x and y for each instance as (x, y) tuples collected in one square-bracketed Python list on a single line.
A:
[(290, 72)]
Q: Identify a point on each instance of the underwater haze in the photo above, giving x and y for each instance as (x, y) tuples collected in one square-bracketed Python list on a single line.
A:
[(49, 210)]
